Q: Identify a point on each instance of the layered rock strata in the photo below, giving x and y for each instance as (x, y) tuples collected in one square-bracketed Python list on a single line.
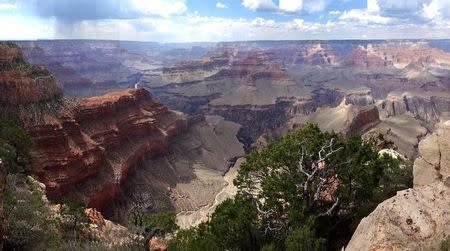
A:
[(83, 148), (88, 152)]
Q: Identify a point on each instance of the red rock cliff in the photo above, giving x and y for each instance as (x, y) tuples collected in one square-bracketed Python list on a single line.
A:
[(84, 147), (87, 152)]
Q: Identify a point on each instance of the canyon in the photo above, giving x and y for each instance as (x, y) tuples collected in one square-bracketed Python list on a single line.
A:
[(85, 148), (125, 126)]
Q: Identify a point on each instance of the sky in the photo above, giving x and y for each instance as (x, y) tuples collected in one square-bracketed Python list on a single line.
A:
[(224, 20)]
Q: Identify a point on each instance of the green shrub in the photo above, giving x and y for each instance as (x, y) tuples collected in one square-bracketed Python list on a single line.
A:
[(15, 146), (307, 191), (31, 225), (445, 244)]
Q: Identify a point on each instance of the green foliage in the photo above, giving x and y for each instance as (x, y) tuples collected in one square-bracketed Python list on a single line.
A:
[(15, 145), (30, 222), (269, 247), (445, 244), (307, 191), (234, 224), (197, 238), (87, 245), (304, 239), (158, 224), (74, 219), (163, 223)]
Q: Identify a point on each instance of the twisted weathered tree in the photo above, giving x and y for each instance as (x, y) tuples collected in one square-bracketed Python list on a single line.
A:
[(307, 191), (315, 180)]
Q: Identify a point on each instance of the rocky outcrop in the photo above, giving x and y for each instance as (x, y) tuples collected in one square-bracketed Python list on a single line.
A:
[(268, 116), (364, 118), (24, 88), (433, 163), (84, 148), (414, 219), (347, 119), (109, 150), (190, 71), (86, 153), (363, 98), (107, 232), (420, 106), (364, 57)]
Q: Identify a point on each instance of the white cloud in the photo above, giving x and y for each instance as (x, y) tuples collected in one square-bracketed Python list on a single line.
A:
[(437, 10), (220, 5), (20, 28), (399, 5), (372, 6), (291, 5), (261, 22), (334, 12), (287, 6), (170, 21), (311, 6), (163, 8), (257, 5), (190, 28), (8, 6), (364, 17)]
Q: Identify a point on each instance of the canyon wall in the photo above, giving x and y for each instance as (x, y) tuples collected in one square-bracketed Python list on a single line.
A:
[(84, 147), (87, 153), (428, 107)]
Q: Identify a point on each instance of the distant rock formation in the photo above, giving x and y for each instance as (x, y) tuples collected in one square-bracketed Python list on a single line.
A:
[(427, 107), (195, 70)]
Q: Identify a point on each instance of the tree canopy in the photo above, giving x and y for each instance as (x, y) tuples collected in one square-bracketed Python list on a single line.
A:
[(307, 191)]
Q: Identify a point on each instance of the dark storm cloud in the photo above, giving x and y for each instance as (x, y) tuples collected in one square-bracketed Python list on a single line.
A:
[(75, 10)]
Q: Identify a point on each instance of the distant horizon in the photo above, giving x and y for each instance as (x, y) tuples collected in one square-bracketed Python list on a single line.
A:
[(236, 41), (188, 21)]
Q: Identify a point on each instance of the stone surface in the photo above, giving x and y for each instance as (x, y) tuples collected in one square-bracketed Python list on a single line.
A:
[(106, 232), (433, 163), (414, 219)]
